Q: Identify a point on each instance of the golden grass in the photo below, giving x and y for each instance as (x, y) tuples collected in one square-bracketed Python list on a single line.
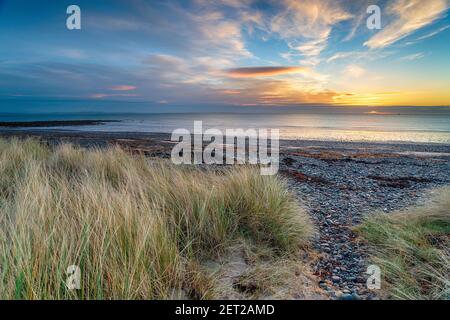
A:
[(412, 248), (137, 229)]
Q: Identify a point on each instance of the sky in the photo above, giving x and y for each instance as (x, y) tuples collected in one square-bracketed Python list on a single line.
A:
[(237, 53)]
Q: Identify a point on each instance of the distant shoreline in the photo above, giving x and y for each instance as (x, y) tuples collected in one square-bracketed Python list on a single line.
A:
[(53, 123)]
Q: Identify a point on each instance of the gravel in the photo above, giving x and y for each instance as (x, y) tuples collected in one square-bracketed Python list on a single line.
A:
[(340, 183)]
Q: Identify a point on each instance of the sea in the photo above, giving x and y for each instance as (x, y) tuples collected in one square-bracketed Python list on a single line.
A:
[(357, 124)]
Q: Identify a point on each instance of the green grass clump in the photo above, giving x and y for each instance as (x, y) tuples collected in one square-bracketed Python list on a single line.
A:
[(136, 228), (412, 248)]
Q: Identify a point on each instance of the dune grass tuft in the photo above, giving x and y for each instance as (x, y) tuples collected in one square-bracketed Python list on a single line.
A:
[(412, 248), (138, 229)]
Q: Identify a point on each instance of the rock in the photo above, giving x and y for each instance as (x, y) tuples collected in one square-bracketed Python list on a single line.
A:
[(346, 291), (348, 296), (336, 278)]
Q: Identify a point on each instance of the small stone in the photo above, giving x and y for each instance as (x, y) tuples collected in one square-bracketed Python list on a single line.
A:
[(345, 291), (336, 278), (348, 296)]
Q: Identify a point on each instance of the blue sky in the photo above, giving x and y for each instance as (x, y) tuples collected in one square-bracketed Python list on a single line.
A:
[(226, 52)]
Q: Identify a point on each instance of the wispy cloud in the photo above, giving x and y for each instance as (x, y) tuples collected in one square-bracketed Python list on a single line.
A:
[(433, 33), (72, 53), (107, 95), (360, 55), (223, 35), (410, 16), (311, 22), (414, 56)]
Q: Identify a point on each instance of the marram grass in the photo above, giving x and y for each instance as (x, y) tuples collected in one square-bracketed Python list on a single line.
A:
[(134, 227), (413, 249)]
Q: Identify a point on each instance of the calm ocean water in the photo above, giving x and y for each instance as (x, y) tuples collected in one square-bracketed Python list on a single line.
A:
[(407, 125)]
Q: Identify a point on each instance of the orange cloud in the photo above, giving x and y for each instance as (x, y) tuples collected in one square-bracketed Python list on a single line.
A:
[(253, 72), (230, 91), (123, 88), (275, 92)]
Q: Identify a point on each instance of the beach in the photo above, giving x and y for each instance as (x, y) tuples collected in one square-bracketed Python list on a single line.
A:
[(339, 183)]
